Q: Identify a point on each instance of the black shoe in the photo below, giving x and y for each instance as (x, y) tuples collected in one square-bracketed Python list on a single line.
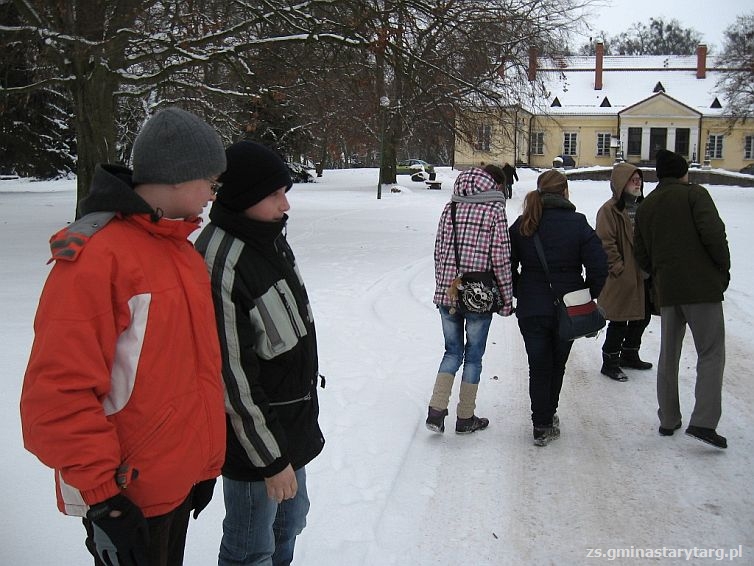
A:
[(707, 435), (472, 424), (436, 420), (629, 358), (669, 431), (543, 435), (610, 367), (614, 373)]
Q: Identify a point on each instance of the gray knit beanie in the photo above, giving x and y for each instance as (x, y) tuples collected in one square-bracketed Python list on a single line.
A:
[(175, 146)]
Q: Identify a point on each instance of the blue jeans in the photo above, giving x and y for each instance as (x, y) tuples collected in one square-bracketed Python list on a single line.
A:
[(468, 352), (257, 530), (547, 355)]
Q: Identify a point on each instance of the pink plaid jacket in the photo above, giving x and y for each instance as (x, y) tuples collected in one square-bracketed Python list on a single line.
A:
[(482, 232)]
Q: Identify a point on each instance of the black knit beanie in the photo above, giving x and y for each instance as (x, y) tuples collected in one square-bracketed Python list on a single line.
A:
[(175, 146), (254, 172), (670, 164)]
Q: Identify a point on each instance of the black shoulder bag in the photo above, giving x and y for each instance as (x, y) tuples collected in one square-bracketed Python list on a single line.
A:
[(477, 290)]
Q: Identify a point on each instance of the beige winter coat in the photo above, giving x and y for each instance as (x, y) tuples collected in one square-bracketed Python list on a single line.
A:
[(622, 297)]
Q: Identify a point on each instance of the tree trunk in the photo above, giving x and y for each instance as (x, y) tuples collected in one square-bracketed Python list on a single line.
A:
[(94, 100), (389, 148)]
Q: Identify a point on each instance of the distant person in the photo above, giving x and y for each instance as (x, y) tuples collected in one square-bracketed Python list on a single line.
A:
[(570, 247), (499, 175), (122, 394), (510, 175), (624, 299), (481, 234), (681, 242), (270, 363)]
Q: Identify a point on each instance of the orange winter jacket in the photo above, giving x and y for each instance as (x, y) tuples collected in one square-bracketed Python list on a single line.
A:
[(125, 367)]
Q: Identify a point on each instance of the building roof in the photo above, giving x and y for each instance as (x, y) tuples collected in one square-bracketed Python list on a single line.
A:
[(626, 81)]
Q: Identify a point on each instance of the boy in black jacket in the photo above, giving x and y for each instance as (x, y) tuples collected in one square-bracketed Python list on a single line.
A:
[(269, 352)]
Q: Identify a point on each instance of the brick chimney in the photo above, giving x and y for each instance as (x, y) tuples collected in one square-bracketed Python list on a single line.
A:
[(533, 52), (701, 61), (600, 54)]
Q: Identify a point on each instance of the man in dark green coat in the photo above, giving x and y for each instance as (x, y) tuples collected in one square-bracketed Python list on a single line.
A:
[(680, 240)]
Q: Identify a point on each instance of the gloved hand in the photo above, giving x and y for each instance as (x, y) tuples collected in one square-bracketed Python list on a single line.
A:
[(121, 534), (202, 495)]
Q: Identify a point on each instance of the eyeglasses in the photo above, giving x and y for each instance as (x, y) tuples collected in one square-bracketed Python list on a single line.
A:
[(214, 186)]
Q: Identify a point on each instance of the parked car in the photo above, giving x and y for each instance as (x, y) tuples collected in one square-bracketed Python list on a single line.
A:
[(749, 169), (413, 166)]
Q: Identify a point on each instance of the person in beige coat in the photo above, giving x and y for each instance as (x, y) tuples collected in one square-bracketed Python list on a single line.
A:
[(625, 297)]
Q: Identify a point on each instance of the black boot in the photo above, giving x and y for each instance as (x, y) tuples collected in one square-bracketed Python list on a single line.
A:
[(610, 367), (629, 358)]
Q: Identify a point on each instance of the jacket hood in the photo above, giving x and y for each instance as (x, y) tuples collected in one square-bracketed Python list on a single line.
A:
[(474, 181), (112, 191), (619, 178)]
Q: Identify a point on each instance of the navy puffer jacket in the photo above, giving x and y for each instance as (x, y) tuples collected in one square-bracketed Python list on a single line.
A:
[(570, 245)]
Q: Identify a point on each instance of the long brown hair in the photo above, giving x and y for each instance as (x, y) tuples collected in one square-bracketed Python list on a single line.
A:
[(532, 213), (551, 182)]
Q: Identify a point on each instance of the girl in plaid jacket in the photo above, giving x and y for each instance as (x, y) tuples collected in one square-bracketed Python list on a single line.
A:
[(481, 236)]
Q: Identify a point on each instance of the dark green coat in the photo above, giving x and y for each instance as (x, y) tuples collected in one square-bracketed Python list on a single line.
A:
[(680, 240)]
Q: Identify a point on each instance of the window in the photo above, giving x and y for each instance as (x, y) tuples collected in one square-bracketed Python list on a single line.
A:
[(715, 146), (634, 141), (537, 143), (749, 147), (682, 136), (483, 136), (569, 143), (603, 144)]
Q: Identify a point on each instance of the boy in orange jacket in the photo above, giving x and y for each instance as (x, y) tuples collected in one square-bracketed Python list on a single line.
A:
[(123, 395)]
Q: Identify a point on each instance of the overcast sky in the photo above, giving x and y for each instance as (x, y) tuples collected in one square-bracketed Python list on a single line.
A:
[(709, 17)]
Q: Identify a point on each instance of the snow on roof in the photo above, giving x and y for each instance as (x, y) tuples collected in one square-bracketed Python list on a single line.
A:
[(626, 81)]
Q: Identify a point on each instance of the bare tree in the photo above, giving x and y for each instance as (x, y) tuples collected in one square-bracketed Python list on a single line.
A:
[(737, 58), (102, 51), (35, 138), (120, 59), (435, 61), (657, 38)]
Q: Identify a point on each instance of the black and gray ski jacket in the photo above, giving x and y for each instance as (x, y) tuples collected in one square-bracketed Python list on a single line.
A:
[(268, 343)]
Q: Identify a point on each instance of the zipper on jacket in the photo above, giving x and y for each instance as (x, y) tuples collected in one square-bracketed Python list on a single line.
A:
[(307, 397), (289, 310)]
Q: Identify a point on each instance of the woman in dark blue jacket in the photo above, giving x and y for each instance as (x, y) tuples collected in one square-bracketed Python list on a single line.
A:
[(570, 245)]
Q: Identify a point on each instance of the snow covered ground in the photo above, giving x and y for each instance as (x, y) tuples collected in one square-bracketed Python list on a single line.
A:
[(388, 492)]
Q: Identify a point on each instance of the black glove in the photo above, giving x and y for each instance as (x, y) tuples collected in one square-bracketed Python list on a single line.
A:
[(120, 532), (202, 495)]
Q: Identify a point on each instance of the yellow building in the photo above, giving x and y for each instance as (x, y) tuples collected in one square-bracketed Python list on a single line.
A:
[(597, 109)]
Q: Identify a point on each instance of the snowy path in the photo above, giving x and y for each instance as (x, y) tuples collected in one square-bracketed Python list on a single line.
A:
[(386, 491), (609, 482)]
